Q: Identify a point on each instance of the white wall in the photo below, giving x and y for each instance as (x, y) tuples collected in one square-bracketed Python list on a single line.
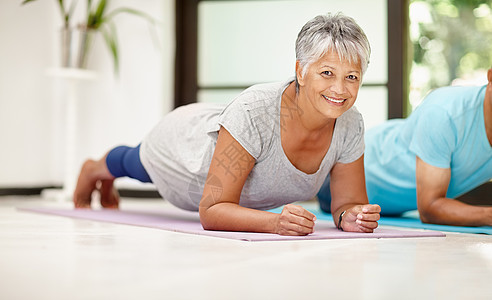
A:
[(109, 110)]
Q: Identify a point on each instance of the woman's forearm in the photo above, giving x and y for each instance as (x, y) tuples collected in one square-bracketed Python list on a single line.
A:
[(232, 217)]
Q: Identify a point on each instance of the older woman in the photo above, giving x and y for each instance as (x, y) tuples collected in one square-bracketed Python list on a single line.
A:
[(271, 146)]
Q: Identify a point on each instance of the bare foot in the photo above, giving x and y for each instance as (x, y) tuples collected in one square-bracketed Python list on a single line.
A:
[(109, 195), (92, 171)]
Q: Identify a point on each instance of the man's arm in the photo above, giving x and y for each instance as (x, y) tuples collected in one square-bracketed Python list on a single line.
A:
[(434, 207)]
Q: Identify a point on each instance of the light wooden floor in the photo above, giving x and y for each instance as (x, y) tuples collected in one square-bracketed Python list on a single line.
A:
[(50, 257)]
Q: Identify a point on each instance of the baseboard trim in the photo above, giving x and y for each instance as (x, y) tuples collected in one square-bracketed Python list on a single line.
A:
[(24, 191), (139, 193), (478, 196), (33, 191)]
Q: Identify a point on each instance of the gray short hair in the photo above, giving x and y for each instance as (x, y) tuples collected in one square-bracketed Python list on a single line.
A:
[(338, 33)]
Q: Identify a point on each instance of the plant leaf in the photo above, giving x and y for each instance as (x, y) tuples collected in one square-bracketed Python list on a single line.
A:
[(110, 37), (64, 13), (100, 9), (131, 11), (95, 19), (72, 7), (26, 1), (137, 13)]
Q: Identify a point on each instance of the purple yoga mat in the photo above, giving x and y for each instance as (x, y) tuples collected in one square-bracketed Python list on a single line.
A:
[(188, 222)]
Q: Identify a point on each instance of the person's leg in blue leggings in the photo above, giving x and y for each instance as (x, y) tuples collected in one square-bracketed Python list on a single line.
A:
[(122, 161)]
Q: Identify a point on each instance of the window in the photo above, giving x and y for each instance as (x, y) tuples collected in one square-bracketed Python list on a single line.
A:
[(451, 43), (225, 46)]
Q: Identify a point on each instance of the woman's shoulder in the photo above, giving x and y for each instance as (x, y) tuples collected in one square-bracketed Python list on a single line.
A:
[(260, 101), (348, 138), (351, 117), (253, 116), (350, 125), (262, 93)]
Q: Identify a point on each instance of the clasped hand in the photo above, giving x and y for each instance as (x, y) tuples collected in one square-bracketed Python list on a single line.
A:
[(296, 220), (361, 218)]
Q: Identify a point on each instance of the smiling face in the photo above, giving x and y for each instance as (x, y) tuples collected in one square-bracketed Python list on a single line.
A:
[(329, 85)]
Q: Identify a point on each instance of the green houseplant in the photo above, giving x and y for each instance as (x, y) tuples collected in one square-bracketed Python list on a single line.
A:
[(66, 13), (99, 19), (66, 31)]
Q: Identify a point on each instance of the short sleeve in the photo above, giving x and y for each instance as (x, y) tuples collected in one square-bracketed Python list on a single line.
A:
[(353, 137), (434, 137), (237, 120)]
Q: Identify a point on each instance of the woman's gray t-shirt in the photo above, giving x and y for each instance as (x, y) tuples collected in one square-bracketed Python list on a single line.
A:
[(178, 151)]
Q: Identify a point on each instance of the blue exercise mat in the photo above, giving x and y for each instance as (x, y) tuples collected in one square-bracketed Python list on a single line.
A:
[(410, 220)]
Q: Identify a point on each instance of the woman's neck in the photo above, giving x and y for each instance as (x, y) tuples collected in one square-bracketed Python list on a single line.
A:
[(302, 113)]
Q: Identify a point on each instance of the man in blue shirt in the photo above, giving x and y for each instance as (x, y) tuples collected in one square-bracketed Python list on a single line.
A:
[(441, 151)]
